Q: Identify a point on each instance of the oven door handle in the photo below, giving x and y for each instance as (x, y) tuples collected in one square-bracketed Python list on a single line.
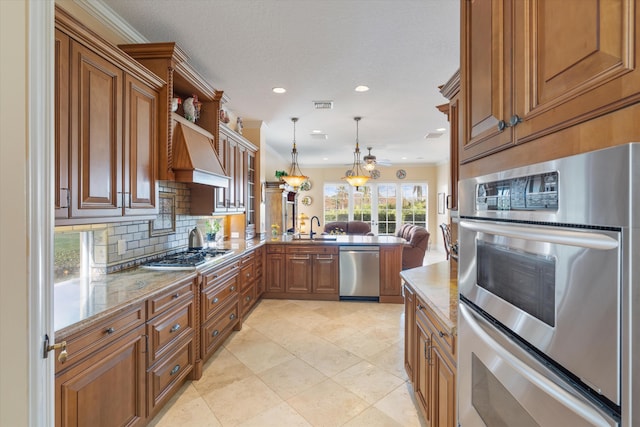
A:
[(588, 240), (545, 384)]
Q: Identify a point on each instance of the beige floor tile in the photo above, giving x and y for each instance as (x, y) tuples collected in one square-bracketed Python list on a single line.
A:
[(186, 408), (363, 345), (303, 317), (258, 352), (400, 406), (221, 369), (367, 381), (328, 358), (372, 417), (391, 359), (328, 404), (241, 401), (291, 378), (279, 416), (334, 330)]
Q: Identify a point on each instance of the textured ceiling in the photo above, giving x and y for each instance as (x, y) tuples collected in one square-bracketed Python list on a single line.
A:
[(321, 50)]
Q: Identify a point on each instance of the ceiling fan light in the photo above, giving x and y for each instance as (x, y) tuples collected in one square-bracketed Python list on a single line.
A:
[(370, 165)]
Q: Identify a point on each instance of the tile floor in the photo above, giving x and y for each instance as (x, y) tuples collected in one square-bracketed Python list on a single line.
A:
[(305, 363)]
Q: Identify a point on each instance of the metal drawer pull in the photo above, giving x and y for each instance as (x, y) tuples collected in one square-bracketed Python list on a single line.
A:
[(233, 288), (441, 334), (175, 327), (248, 298), (176, 295), (175, 370), (215, 300), (215, 333), (110, 331), (233, 316)]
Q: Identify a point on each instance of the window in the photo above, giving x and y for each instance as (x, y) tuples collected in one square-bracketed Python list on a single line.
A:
[(414, 204), (67, 256), (380, 204), (336, 202)]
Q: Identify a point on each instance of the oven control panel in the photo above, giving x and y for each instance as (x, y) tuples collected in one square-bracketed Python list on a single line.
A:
[(532, 193)]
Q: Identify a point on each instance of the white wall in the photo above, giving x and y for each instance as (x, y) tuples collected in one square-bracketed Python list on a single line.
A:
[(14, 298)]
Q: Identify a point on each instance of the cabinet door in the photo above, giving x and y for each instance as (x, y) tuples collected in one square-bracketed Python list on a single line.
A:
[(454, 147), (325, 274), (390, 267), (140, 141), (443, 387), (486, 85), (251, 201), (107, 389), (96, 135), (422, 373), (240, 177), (578, 60), (274, 273), (222, 193), (409, 332), (62, 196), (299, 268)]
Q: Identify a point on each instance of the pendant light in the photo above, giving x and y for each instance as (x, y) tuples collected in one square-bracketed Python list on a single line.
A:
[(295, 178), (357, 177)]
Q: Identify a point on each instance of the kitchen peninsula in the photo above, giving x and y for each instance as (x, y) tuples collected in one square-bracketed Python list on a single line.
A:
[(305, 268)]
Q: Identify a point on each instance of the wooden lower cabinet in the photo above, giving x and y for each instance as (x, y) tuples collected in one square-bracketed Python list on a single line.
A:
[(430, 362), (390, 268), (106, 389), (302, 272)]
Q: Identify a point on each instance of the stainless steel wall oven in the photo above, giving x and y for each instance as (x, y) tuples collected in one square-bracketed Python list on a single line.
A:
[(546, 280)]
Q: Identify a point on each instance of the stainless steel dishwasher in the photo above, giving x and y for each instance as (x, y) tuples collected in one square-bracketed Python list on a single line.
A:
[(360, 273)]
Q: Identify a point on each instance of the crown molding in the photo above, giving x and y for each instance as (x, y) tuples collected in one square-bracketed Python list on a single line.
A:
[(114, 22)]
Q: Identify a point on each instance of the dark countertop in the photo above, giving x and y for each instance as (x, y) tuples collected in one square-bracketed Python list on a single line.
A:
[(435, 286), (78, 303), (338, 239)]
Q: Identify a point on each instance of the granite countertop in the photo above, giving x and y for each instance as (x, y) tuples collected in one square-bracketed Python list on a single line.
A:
[(79, 302), (338, 239), (435, 285)]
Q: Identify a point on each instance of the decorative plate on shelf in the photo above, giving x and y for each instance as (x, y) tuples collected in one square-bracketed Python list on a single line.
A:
[(306, 186), (401, 174), (306, 200), (375, 174)]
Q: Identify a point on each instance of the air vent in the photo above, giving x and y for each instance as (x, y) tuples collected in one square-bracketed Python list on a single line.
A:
[(319, 136), (433, 135), (323, 105)]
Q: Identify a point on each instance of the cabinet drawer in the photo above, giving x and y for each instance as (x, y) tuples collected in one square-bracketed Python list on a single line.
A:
[(87, 341), (312, 249), (164, 378), (218, 328), (275, 249), (214, 298), (247, 299), (171, 297), (219, 273), (246, 276), (247, 259), (429, 321), (168, 328)]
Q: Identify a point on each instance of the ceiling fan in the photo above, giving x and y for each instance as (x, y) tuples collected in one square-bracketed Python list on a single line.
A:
[(369, 161)]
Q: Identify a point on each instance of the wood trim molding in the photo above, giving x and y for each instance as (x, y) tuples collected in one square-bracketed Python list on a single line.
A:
[(111, 20)]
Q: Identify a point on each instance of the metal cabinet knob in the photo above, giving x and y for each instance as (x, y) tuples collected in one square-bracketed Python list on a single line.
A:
[(215, 333), (175, 370), (175, 328), (514, 120), (176, 295), (502, 125), (109, 331)]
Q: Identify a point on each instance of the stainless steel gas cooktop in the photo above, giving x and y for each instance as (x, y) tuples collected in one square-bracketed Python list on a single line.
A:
[(187, 260)]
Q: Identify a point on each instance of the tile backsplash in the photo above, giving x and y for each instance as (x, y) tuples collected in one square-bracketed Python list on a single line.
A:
[(139, 245)]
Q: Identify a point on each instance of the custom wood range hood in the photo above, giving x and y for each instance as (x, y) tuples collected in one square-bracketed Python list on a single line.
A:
[(194, 157)]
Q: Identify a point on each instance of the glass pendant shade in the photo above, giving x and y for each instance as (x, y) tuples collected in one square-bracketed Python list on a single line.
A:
[(295, 177), (357, 176)]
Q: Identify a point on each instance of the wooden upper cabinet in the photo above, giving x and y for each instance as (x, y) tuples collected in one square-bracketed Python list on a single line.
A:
[(140, 147), (486, 78), (106, 124), (532, 68), (96, 134), (62, 196), (579, 61)]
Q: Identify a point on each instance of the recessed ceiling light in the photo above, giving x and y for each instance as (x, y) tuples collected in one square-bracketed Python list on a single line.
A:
[(325, 158), (316, 131), (441, 129), (362, 88), (279, 90), (403, 158)]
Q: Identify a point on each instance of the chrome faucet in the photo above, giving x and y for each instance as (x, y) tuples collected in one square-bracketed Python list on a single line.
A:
[(311, 232)]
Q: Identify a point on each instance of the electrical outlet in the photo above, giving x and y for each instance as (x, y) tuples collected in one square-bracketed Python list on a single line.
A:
[(122, 247)]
